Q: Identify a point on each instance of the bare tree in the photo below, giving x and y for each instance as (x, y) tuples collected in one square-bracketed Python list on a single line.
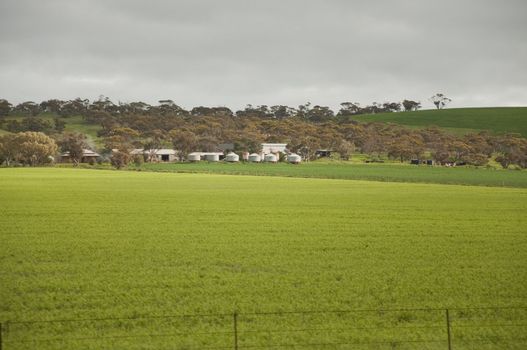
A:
[(440, 100)]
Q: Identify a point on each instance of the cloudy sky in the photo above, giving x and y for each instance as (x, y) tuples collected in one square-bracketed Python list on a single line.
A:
[(234, 52)]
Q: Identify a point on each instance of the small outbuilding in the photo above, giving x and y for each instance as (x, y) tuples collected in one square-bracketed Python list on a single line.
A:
[(194, 157), (270, 158), (294, 158), (163, 155), (255, 158), (232, 157), (209, 156), (212, 157)]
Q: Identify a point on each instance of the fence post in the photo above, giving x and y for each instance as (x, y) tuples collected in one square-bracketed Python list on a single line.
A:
[(447, 330), (235, 321)]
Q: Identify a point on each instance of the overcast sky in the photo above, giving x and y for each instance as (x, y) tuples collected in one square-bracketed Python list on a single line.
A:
[(234, 52)]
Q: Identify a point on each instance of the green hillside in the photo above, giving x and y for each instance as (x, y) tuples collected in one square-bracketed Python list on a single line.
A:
[(460, 120), (73, 123)]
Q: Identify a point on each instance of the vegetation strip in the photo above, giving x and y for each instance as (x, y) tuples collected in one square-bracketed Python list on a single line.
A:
[(342, 170)]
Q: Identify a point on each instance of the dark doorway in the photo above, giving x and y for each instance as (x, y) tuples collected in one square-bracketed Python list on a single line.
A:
[(165, 157)]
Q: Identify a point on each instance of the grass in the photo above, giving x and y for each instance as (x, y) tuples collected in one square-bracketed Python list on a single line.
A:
[(90, 244), (76, 123), (498, 120), (344, 170), (73, 123)]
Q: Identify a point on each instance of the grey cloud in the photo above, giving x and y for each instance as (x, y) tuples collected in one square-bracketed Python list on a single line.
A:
[(234, 52)]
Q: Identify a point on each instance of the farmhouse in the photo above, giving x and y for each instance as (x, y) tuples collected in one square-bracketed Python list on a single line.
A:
[(88, 156), (156, 155)]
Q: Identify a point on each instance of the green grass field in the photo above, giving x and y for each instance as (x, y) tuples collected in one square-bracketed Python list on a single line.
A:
[(460, 120), (94, 244), (392, 172)]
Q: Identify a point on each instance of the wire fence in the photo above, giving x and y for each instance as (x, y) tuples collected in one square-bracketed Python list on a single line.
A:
[(453, 328)]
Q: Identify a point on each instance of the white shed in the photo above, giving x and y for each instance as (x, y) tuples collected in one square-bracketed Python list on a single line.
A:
[(156, 155), (294, 158), (255, 157), (212, 157), (232, 157), (194, 157), (271, 158)]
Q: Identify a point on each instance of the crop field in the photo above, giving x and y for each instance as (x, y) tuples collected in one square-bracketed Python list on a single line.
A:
[(125, 255), (460, 120), (346, 170)]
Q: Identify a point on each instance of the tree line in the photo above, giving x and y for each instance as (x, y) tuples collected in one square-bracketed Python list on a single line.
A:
[(306, 111), (125, 126)]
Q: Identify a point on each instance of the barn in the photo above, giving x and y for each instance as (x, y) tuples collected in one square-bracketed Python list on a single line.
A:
[(156, 155)]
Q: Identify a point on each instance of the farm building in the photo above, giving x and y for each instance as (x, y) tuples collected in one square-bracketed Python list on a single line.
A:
[(294, 158), (273, 148), (194, 157), (232, 157), (88, 156), (270, 158), (156, 155), (210, 156), (255, 158)]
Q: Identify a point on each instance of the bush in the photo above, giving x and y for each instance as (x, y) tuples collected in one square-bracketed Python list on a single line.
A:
[(120, 159)]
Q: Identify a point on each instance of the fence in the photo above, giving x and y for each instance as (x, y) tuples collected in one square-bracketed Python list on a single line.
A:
[(453, 328)]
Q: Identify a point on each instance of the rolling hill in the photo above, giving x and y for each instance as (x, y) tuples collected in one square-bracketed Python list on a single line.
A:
[(498, 120), (459, 121), (73, 123)]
